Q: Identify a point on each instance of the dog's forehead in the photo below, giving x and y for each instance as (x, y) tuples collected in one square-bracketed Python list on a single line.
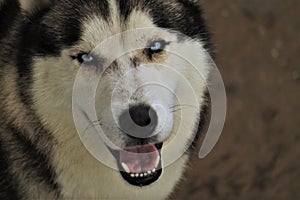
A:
[(173, 14), (72, 21), (138, 26)]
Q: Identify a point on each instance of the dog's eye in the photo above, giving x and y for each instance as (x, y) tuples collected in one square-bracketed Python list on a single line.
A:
[(85, 58), (157, 46)]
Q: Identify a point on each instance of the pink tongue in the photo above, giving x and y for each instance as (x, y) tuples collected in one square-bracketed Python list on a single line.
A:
[(140, 159)]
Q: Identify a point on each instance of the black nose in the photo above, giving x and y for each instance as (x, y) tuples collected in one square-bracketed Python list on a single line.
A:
[(139, 121), (141, 115)]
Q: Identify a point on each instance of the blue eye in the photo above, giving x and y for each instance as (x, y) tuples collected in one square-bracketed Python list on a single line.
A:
[(84, 58), (87, 58), (157, 46)]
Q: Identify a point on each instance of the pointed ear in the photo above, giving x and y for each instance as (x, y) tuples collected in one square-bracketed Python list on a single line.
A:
[(30, 6)]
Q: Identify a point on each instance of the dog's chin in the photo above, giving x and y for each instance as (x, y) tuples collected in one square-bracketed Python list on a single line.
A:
[(140, 165)]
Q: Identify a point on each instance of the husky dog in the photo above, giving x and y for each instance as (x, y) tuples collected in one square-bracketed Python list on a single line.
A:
[(44, 45)]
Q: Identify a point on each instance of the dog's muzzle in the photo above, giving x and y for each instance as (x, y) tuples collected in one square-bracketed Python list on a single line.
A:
[(139, 164)]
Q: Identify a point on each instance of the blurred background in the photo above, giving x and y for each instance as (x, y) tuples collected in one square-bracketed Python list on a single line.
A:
[(257, 45)]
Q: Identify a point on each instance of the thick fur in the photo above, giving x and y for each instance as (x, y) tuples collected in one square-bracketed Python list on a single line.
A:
[(41, 155), (30, 6)]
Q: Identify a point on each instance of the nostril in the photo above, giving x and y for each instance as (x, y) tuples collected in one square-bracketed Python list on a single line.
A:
[(141, 115)]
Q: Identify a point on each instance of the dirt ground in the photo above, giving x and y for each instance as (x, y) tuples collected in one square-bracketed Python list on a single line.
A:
[(257, 45)]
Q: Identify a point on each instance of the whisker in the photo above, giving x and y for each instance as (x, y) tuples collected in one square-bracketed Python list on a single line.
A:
[(182, 105), (92, 124), (174, 111)]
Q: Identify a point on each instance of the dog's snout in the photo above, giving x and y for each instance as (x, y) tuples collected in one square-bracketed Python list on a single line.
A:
[(139, 121)]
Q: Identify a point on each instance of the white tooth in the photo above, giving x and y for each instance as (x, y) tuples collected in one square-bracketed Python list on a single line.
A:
[(153, 170), (136, 175), (141, 175), (149, 172), (132, 175), (125, 167), (157, 161), (145, 174)]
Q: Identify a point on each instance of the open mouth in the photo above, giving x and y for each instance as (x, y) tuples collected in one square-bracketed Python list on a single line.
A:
[(140, 165)]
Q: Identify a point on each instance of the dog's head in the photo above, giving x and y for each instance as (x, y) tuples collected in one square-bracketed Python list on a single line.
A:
[(133, 71)]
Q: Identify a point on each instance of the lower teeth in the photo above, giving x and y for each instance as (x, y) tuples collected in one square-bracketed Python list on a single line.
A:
[(144, 174)]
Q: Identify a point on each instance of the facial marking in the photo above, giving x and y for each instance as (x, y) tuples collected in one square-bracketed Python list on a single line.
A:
[(132, 76)]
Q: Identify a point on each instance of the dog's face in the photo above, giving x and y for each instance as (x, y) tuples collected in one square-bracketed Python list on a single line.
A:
[(140, 65)]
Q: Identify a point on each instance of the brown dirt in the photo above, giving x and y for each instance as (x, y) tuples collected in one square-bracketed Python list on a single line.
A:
[(258, 156)]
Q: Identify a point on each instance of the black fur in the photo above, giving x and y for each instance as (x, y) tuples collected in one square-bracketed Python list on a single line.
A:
[(8, 184), (9, 11), (35, 163), (182, 16)]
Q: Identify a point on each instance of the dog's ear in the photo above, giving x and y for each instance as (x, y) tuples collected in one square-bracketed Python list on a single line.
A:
[(32, 6)]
